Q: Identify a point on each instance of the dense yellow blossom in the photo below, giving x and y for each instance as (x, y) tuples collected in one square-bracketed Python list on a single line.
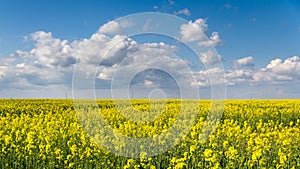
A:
[(45, 133)]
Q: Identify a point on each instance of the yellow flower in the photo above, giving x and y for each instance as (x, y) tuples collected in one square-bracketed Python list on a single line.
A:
[(180, 165), (231, 153), (192, 148), (282, 157), (73, 149), (225, 143), (71, 165), (256, 155), (208, 152)]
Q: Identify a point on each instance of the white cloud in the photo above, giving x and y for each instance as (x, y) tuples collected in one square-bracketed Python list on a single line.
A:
[(274, 63), (197, 31), (20, 65), (49, 51), (50, 62), (290, 67), (246, 61), (238, 76), (270, 77), (210, 57), (102, 48), (276, 72), (213, 76), (214, 40), (194, 31), (106, 73), (111, 27), (149, 83), (148, 55), (47, 63), (184, 11), (19, 54), (2, 71)]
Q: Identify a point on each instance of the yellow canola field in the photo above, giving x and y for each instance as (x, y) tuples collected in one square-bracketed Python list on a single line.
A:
[(46, 133)]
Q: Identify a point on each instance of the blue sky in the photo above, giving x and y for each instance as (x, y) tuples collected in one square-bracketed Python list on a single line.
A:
[(259, 40)]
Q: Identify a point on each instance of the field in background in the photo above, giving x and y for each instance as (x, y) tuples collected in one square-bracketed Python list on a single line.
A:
[(45, 133)]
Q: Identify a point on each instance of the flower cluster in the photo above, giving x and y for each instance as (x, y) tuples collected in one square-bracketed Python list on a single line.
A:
[(47, 133)]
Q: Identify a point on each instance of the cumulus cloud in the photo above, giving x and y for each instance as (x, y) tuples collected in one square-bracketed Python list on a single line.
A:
[(290, 67), (214, 40), (49, 51), (274, 63), (197, 31), (102, 48), (212, 76), (111, 27), (238, 76), (47, 63), (23, 76), (138, 57), (149, 56), (194, 31), (50, 61), (210, 57), (184, 11), (277, 71), (246, 61), (106, 73)]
